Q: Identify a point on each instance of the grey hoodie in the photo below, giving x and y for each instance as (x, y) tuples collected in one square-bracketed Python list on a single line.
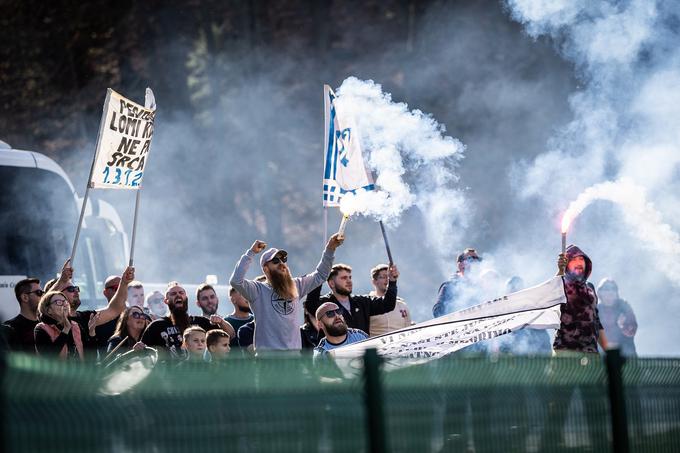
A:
[(277, 320)]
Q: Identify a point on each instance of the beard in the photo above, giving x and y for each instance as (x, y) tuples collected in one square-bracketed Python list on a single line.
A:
[(179, 313), (283, 284), (576, 275), (336, 330), (343, 291)]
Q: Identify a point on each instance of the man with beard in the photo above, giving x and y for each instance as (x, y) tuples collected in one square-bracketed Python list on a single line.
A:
[(166, 332), (356, 310), (110, 313), (241, 315), (580, 327), (19, 329), (331, 321), (276, 302), (580, 331), (207, 300)]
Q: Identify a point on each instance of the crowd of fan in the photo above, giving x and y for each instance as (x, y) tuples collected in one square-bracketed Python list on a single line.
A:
[(265, 317), (51, 323)]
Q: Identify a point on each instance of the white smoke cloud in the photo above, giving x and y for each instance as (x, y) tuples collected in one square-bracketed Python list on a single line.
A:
[(642, 218), (624, 129), (413, 159)]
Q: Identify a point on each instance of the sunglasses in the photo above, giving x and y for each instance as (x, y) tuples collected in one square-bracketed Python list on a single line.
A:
[(59, 302), (38, 292), (277, 260), (72, 289), (138, 315), (333, 313), (112, 287)]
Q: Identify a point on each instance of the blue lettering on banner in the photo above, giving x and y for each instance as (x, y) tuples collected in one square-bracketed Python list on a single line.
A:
[(116, 176)]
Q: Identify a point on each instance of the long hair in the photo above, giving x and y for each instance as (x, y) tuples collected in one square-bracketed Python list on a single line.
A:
[(46, 301), (121, 326)]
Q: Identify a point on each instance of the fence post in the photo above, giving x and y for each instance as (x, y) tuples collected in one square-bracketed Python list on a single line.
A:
[(617, 401), (377, 442)]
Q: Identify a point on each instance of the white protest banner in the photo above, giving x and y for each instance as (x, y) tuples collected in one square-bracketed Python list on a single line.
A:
[(344, 169), (123, 144), (537, 307)]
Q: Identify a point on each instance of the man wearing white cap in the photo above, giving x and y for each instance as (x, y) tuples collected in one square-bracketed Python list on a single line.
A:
[(276, 302)]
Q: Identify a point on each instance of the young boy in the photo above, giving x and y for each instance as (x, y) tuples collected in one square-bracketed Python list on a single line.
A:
[(194, 343), (218, 344)]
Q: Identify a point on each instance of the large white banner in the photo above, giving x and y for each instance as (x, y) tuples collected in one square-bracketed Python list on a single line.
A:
[(123, 143), (537, 307), (344, 169)]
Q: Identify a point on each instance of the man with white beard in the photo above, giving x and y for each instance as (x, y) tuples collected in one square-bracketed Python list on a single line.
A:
[(276, 302)]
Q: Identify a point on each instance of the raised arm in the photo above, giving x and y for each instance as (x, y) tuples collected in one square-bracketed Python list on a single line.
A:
[(323, 269), (247, 288), (64, 277), (117, 303), (386, 304)]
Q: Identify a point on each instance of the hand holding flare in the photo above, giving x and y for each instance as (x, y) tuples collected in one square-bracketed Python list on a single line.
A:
[(562, 260)]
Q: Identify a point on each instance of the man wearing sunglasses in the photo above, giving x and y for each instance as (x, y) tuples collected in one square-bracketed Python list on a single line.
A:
[(276, 302), (330, 320), (19, 330), (356, 309)]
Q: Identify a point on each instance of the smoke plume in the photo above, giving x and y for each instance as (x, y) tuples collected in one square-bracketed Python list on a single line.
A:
[(413, 160)]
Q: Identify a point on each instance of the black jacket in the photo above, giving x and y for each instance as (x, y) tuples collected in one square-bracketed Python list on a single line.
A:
[(361, 307)]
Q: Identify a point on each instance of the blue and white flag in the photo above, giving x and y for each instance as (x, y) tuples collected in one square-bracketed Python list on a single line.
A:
[(344, 170)]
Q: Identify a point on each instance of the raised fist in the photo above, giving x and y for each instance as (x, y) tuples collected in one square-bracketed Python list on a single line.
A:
[(258, 246)]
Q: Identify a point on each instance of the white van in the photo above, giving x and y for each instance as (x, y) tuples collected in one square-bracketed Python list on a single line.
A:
[(39, 211)]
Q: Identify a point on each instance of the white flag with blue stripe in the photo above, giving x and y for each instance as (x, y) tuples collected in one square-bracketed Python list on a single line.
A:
[(344, 170)]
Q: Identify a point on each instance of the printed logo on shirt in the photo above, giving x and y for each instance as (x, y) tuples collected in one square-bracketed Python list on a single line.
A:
[(282, 307)]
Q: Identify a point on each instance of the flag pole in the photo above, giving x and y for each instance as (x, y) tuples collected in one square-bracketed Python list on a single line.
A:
[(387, 243), (134, 228), (149, 103), (325, 225), (89, 179)]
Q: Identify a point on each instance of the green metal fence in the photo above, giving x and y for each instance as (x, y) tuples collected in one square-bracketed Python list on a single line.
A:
[(284, 403)]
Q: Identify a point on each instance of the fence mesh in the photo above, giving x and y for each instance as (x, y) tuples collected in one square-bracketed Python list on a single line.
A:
[(290, 404)]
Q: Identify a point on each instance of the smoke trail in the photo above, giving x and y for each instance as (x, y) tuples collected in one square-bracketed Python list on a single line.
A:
[(414, 161), (624, 129), (645, 221), (627, 60)]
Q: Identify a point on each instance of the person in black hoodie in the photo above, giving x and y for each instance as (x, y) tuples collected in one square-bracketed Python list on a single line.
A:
[(580, 331), (580, 327), (356, 309)]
